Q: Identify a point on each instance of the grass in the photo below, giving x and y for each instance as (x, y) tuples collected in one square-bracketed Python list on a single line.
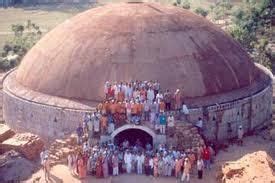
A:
[(45, 16)]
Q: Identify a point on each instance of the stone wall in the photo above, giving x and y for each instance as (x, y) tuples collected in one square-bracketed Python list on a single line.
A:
[(53, 121), (47, 121), (50, 121)]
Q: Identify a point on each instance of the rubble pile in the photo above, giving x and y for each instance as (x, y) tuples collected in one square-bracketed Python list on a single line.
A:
[(28, 144), (187, 136), (60, 148), (5, 132), (254, 167), (14, 167)]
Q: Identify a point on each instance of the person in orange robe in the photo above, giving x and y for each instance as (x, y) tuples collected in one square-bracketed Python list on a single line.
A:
[(82, 168), (161, 106), (120, 96), (178, 165), (113, 107), (139, 108), (99, 168)]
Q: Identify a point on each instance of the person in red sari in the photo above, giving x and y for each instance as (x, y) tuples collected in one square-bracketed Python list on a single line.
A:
[(82, 168), (99, 168)]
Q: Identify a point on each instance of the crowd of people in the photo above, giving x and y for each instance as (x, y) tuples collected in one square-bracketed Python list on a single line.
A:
[(109, 159), (135, 102)]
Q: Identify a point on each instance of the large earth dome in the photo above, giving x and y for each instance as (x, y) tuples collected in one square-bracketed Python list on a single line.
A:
[(136, 41)]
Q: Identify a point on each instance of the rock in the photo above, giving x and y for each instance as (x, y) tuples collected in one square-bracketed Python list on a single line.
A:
[(254, 167), (14, 167), (5, 132), (28, 144)]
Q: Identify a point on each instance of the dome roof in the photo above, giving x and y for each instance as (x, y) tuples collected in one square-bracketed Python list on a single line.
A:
[(129, 41)]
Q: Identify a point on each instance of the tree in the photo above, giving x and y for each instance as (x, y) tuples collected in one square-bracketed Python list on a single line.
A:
[(25, 36), (201, 11), (252, 28), (186, 4)]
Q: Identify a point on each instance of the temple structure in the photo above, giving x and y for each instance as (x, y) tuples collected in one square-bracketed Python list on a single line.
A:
[(63, 75)]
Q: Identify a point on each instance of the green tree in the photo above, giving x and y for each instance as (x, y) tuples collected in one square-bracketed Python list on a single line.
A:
[(201, 11), (25, 36), (186, 4)]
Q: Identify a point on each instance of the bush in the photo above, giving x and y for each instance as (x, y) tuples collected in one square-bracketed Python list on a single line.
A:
[(201, 11), (25, 36), (186, 5)]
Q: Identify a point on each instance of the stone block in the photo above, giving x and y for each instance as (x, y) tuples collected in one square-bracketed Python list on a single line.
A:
[(5, 132), (28, 144)]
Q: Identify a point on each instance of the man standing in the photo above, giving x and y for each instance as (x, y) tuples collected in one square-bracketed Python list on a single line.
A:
[(185, 111), (128, 161), (171, 124), (140, 161), (240, 135), (146, 106), (150, 95), (115, 164), (162, 122), (80, 133), (177, 97), (167, 100), (199, 125), (200, 166), (206, 156), (186, 170)]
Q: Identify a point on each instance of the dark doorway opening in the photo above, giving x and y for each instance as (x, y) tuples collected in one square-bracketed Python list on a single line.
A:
[(132, 135)]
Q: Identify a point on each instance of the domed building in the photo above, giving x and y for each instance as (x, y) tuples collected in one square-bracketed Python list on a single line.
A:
[(63, 75)]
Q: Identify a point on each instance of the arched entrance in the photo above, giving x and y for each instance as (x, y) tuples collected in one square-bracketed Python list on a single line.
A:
[(132, 133)]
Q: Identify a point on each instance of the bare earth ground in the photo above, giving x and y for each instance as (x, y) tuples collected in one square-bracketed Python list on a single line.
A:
[(60, 173)]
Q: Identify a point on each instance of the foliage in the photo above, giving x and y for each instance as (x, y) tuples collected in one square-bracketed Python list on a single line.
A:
[(201, 11), (186, 4), (25, 36), (221, 9), (252, 28)]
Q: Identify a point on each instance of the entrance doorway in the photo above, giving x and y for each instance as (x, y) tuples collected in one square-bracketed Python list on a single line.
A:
[(133, 135)]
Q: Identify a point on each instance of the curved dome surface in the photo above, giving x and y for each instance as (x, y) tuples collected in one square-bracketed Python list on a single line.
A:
[(129, 41)]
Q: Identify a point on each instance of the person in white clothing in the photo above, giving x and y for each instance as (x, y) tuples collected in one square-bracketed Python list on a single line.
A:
[(240, 135), (150, 95), (140, 161), (200, 166), (128, 161), (185, 112)]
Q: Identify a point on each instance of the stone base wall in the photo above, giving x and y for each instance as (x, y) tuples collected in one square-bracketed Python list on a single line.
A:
[(52, 121), (47, 121)]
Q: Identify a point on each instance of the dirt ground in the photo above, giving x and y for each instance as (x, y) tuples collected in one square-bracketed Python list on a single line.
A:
[(60, 173)]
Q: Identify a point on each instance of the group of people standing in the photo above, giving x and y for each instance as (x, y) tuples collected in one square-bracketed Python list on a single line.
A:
[(108, 159), (135, 102)]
